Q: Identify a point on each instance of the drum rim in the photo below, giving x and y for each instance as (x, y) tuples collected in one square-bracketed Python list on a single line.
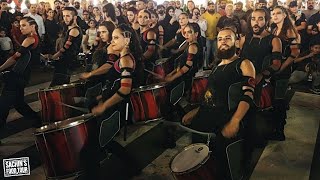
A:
[(63, 86), (57, 127), (155, 62), (194, 168), (205, 74), (150, 87)]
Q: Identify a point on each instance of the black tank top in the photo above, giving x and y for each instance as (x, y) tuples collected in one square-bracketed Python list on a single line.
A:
[(197, 57), (113, 78), (144, 44), (22, 66), (221, 79), (256, 50), (73, 51)]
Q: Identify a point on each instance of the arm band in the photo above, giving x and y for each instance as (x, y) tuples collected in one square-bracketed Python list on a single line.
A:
[(126, 85), (126, 72), (190, 57), (249, 81), (22, 50), (276, 56), (247, 99), (124, 96), (188, 66), (69, 42)]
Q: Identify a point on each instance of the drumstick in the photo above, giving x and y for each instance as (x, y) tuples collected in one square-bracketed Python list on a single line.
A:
[(84, 110), (189, 129), (155, 74)]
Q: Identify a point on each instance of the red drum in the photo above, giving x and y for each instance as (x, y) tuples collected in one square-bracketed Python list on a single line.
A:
[(62, 145), (51, 99), (148, 102), (199, 86), (161, 67), (193, 163)]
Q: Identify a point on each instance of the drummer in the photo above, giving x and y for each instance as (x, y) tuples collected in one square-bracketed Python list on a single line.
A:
[(103, 57), (123, 78), (216, 114), (19, 72), (192, 55), (70, 49), (148, 39)]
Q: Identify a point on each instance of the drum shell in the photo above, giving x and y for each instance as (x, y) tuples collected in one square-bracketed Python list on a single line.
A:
[(149, 103), (63, 150), (199, 87), (205, 171), (52, 110), (163, 69)]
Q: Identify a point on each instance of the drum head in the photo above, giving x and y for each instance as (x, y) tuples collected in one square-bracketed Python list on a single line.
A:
[(161, 61), (189, 158), (150, 87), (64, 86), (71, 122)]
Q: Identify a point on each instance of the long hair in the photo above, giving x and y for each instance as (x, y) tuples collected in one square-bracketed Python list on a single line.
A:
[(31, 21), (135, 49), (287, 24), (110, 27), (110, 11), (167, 18)]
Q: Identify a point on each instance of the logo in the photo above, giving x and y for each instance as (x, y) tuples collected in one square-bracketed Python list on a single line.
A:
[(16, 167)]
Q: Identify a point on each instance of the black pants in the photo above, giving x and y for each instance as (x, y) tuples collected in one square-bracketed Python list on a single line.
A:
[(14, 97), (211, 119)]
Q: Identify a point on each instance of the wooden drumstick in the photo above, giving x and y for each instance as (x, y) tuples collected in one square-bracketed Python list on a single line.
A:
[(153, 73)]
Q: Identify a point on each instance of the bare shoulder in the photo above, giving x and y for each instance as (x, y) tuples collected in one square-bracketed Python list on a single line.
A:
[(28, 41), (126, 61)]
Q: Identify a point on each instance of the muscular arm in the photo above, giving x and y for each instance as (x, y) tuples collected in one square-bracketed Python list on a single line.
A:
[(12, 60), (189, 63), (151, 37), (72, 34)]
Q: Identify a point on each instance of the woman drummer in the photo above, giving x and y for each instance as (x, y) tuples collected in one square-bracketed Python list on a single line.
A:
[(188, 62), (19, 75), (104, 57), (123, 78)]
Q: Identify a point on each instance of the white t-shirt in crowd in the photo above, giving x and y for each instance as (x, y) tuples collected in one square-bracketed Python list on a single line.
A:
[(5, 43)]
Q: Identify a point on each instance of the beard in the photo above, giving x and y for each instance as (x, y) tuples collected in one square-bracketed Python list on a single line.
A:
[(70, 23), (261, 29), (226, 54), (211, 11), (310, 7)]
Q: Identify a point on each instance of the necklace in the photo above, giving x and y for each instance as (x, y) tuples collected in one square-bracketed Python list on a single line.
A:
[(231, 61)]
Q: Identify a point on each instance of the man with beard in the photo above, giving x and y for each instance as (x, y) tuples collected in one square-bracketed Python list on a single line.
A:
[(264, 50), (260, 44), (79, 10), (227, 120), (70, 49), (212, 19), (313, 22), (310, 11), (161, 12)]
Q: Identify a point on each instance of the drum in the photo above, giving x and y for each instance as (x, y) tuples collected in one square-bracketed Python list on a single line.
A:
[(148, 102), (161, 67), (199, 86), (64, 145), (193, 163), (52, 100)]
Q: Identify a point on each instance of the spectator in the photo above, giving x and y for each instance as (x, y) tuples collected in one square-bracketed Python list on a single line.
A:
[(311, 9), (5, 45), (39, 20), (16, 34)]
